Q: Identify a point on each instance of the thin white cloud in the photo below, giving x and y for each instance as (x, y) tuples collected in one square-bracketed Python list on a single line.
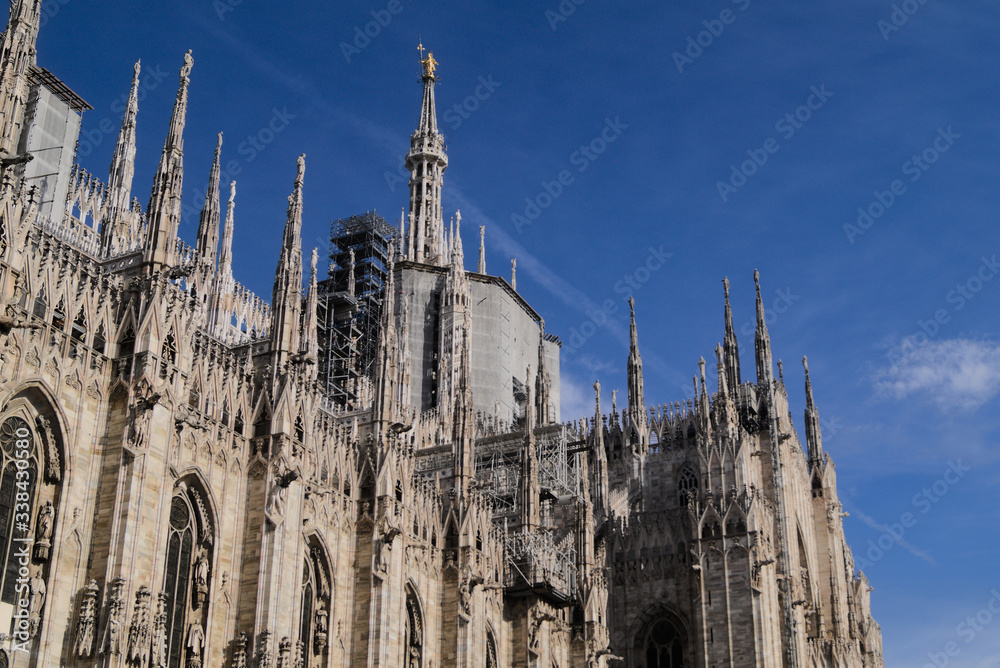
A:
[(576, 399), (954, 373), (915, 551)]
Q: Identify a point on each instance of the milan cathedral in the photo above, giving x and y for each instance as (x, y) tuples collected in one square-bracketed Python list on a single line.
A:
[(193, 476)]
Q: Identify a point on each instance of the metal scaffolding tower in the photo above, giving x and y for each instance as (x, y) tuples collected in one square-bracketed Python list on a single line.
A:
[(350, 303)]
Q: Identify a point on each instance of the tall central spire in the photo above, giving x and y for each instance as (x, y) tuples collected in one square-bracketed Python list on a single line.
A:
[(426, 161)]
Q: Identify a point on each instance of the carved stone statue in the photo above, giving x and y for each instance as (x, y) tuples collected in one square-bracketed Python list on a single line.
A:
[(138, 632), (140, 427), (37, 600), (240, 651), (158, 649), (301, 164), (201, 578), (43, 532), (188, 64), (116, 611), (86, 627), (195, 643), (322, 622), (284, 653)]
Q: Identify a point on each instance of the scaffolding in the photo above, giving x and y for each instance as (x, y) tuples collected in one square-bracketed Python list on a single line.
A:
[(350, 304)]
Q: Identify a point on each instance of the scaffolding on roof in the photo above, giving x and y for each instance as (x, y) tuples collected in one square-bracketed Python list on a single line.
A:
[(351, 310)]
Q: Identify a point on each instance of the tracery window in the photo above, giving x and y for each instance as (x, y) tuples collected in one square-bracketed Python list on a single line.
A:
[(414, 633), (186, 581), (491, 650), (180, 551), (687, 484), (664, 647), (314, 607), (18, 442)]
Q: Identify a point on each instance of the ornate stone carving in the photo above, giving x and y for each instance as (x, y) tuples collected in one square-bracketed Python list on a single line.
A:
[(195, 644), (115, 629), (240, 651), (86, 625), (158, 649), (43, 531), (36, 601), (321, 627), (139, 630), (201, 570)]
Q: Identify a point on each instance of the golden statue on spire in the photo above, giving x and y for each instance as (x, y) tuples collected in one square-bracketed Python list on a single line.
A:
[(429, 63)]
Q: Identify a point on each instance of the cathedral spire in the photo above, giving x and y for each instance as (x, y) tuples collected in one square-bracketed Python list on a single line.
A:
[(222, 289), (426, 162), (123, 162), (814, 438), (226, 252), (287, 297), (16, 59), (636, 393), (543, 382), (310, 325), (731, 349), (164, 211), (762, 340), (530, 489), (481, 267), (208, 225)]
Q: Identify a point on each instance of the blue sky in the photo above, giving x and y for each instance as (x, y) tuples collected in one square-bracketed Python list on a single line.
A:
[(644, 109)]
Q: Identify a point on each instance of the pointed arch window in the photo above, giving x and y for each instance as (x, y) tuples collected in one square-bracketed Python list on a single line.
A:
[(59, 316), (687, 484), (314, 611), (186, 580), (491, 650), (168, 354), (17, 498), (41, 306), (414, 632), (663, 646), (79, 329), (100, 339)]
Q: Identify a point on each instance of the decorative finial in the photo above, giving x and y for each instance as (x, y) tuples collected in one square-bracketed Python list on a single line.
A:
[(781, 371), (429, 63), (301, 162), (725, 285), (314, 261), (232, 191), (188, 64), (513, 273), (631, 304)]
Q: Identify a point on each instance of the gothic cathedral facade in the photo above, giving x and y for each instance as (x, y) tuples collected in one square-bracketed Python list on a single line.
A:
[(178, 490)]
